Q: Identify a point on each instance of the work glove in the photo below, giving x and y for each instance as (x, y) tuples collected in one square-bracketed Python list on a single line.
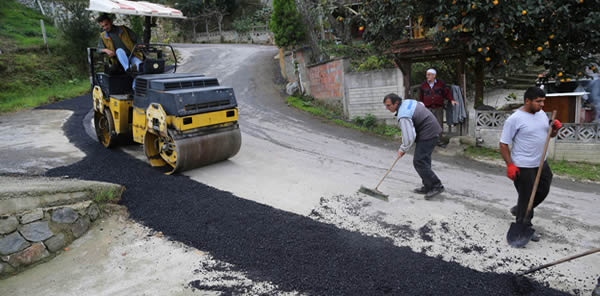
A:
[(512, 171), (556, 125)]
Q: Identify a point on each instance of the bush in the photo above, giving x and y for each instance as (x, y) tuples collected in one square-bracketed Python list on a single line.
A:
[(77, 29)]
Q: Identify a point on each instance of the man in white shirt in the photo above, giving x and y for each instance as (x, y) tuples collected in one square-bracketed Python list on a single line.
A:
[(526, 130)]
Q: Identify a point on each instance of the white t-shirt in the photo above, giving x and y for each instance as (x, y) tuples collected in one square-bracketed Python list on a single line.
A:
[(527, 133)]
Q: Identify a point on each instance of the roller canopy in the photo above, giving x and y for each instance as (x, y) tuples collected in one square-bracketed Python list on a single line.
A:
[(134, 8)]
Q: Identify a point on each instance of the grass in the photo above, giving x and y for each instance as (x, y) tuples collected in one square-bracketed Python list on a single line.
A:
[(29, 75), (105, 196), (325, 111), (576, 170), (43, 95), (20, 27)]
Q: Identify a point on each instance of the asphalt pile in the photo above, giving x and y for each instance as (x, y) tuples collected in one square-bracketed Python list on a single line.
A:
[(294, 252)]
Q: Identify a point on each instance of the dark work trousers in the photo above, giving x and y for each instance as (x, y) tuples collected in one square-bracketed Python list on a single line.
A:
[(422, 163), (439, 115), (524, 184)]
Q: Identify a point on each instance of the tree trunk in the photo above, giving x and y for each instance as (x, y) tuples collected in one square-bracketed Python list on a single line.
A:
[(479, 76), (194, 30), (313, 38)]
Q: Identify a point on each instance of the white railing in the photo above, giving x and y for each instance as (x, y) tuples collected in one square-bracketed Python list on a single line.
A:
[(579, 132), (570, 132)]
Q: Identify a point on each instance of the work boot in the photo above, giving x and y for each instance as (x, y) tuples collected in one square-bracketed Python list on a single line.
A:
[(435, 191), (421, 190), (513, 211)]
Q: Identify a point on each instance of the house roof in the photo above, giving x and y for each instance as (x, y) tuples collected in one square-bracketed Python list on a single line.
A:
[(134, 8)]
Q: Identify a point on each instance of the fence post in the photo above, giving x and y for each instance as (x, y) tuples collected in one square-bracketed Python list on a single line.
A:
[(44, 34)]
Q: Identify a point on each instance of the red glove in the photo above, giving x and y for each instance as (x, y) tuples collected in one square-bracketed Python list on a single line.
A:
[(512, 171), (556, 125)]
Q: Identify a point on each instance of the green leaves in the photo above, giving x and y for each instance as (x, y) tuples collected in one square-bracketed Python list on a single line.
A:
[(286, 23)]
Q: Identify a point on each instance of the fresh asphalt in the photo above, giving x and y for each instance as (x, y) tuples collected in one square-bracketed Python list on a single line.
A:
[(292, 251)]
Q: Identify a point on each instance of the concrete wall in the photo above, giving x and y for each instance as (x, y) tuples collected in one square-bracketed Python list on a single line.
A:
[(588, 152), (364, 92)]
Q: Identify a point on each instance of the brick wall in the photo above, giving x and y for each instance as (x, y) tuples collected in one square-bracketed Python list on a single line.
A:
[(326, 80)]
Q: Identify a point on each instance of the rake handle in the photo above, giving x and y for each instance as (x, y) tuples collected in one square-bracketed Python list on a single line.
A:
[(539, 172), (388, 171), (592, 251)]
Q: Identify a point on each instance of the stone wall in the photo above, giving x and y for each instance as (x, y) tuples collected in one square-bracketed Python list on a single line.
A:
[(364, 92), (40, 216), (37, 235), (254, 37)]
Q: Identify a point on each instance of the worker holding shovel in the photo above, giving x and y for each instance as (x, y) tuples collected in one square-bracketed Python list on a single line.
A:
[(418, 125), (528, 130)]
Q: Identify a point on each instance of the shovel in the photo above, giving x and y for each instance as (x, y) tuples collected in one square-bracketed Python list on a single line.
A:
[(519, 234), (592, 251), (375, 192)]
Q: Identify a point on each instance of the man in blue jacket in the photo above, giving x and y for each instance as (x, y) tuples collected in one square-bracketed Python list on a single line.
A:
[(418, 126)]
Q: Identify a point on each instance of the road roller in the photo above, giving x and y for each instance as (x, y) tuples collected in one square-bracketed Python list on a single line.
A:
[(183, 121)]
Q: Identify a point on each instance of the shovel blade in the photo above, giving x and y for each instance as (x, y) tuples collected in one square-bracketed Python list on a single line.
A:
[(519, 235), (373, 192)]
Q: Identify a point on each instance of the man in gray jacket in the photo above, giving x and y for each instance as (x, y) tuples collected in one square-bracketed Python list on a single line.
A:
[(418, 126)]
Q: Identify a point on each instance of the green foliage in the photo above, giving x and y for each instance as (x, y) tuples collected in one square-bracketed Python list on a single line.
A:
[(286, 23), (30, 76), (20, 27), (562, 36), (362, 56), (77, 29), (137, 25), (373, 63), (243, 25), (105, 196)]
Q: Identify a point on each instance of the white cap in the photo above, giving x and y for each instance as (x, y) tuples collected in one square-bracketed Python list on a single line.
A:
[(432, 71)]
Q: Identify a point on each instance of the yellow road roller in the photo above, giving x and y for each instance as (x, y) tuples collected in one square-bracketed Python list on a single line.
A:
[(184, 121)]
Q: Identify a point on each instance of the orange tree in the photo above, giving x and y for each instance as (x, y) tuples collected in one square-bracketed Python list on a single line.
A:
[(560, 35)]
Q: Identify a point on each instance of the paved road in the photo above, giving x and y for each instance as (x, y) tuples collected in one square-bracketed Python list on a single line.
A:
[(295, 222), (293, 162)]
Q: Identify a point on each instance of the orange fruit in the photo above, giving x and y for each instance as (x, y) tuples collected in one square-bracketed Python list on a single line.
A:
[(551, 36), (560, 74), (568, 79), (524, 12), (340, 18), (487, 59), (495, 2), (593, 67), (480, 49), (562, 80), (539, 48), (446, 39), (361, 28)]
